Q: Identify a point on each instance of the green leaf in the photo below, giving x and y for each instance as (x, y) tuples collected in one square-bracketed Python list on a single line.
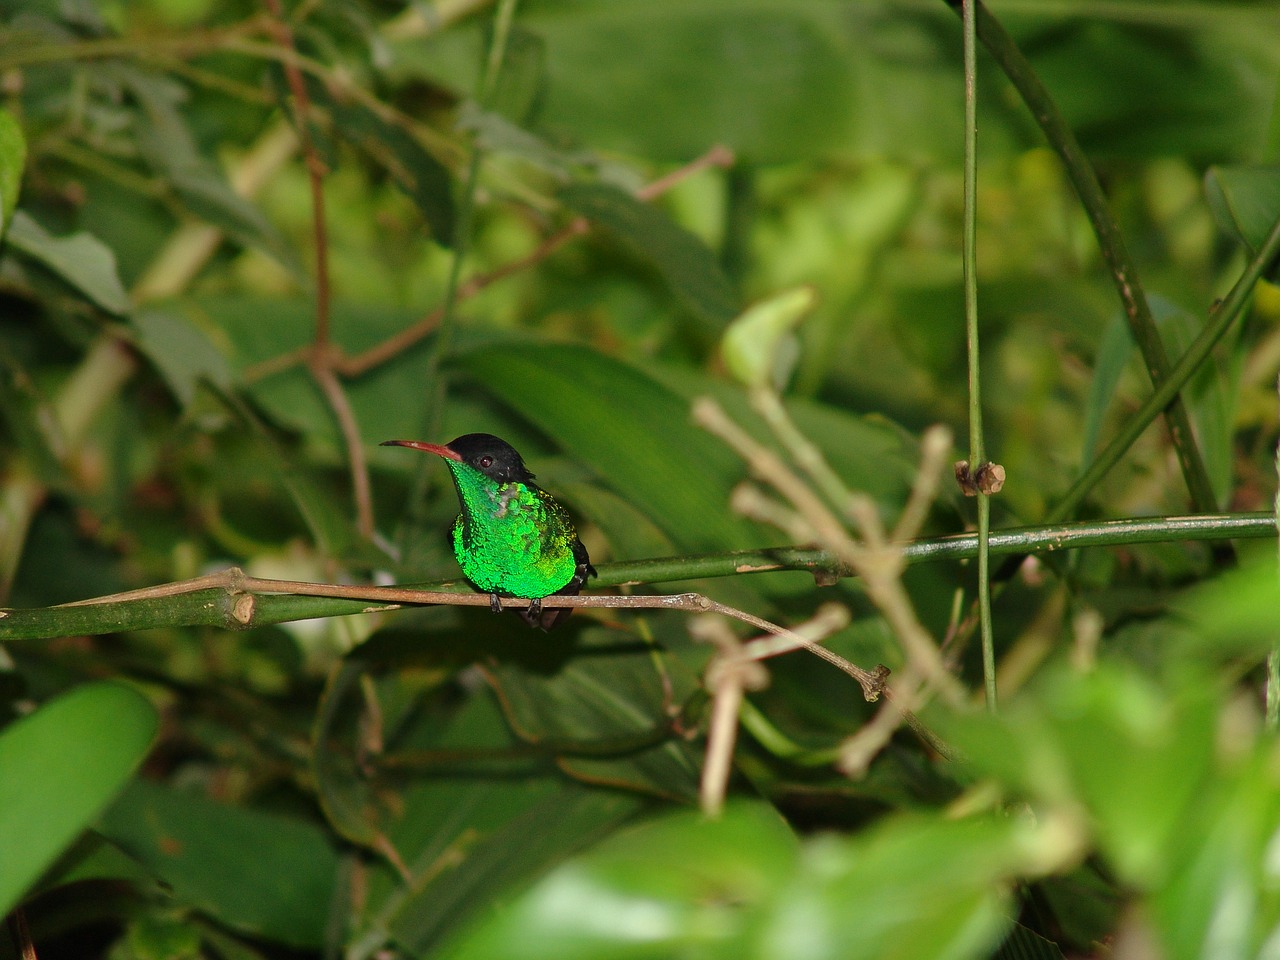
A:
[(1222, 901), (740, 885), (1111, 742), (268, 875), (13, 157), (1232, 615), (607, 697), (660, 889), (758, 347), (81, 259), (418, 174), (168, 144), (634, 433), (1245, 201), (686, 264), (58, 768), (181, 352), (520, 81), (469, 836)]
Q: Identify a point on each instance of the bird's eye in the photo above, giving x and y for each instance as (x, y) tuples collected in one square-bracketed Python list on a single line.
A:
[(486, 462)]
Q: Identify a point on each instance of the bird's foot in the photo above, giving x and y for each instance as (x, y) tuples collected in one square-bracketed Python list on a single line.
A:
[(495, 603)]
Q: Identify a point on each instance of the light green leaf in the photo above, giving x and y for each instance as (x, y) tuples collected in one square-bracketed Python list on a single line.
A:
[(13, 157), (741, 885), (759, 348), (80, 259), (58, 768)]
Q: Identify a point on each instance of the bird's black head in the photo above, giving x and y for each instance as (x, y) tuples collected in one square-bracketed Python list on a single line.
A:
[(495, 458)]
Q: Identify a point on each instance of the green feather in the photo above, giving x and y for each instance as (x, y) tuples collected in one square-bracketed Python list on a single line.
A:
[(511, 538)]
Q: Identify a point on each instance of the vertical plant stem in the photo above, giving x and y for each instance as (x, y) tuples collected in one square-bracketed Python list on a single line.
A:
[(977, 450), (1273, 658), (466, 210), (323, 357), (1124, 273)]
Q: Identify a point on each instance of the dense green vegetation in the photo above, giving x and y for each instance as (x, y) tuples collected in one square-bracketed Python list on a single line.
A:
[(703, 264)]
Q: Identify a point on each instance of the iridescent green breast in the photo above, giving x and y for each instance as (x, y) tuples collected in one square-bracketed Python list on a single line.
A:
[(511, 538)]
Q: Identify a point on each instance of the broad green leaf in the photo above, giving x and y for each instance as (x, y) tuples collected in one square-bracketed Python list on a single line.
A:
[(1245, 201), (13, 157), (759, 347), (634, 433), (741, 885), (80, 259), (181, 352), (58, 768), (687, 266), (1231, 615), (667, 887), (386, 401), (1111, 742), (263, 874), (1222, 900)]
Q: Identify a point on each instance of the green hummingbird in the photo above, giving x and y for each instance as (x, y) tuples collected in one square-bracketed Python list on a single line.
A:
[(512, 539)]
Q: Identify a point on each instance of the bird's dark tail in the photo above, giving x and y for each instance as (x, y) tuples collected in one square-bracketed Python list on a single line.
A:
[(536, 616)]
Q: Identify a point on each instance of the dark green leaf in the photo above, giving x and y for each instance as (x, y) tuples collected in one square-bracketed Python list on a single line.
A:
[(181, 352), (687, 266), (171, 149), (260, 873), (607, 704), (1245, 201), (413, 169), (80, 259), (469, 835), (634, 433)]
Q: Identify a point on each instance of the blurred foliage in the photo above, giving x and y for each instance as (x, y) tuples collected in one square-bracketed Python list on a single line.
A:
[(443, 782)]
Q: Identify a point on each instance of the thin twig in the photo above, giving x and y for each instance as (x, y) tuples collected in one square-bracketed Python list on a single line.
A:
[(878, 563), (321, 357), (361, 492)]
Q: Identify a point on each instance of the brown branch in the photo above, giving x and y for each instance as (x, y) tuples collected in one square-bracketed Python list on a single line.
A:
[(235, 582), (361, 491), (322, 359)]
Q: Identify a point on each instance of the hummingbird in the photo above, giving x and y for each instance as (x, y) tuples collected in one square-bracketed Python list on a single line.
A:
[(512, 539)]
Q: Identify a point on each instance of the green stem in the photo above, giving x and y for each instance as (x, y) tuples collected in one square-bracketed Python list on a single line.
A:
[(977, 450), (217, 607), (1124, 272), (1220, 319)]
